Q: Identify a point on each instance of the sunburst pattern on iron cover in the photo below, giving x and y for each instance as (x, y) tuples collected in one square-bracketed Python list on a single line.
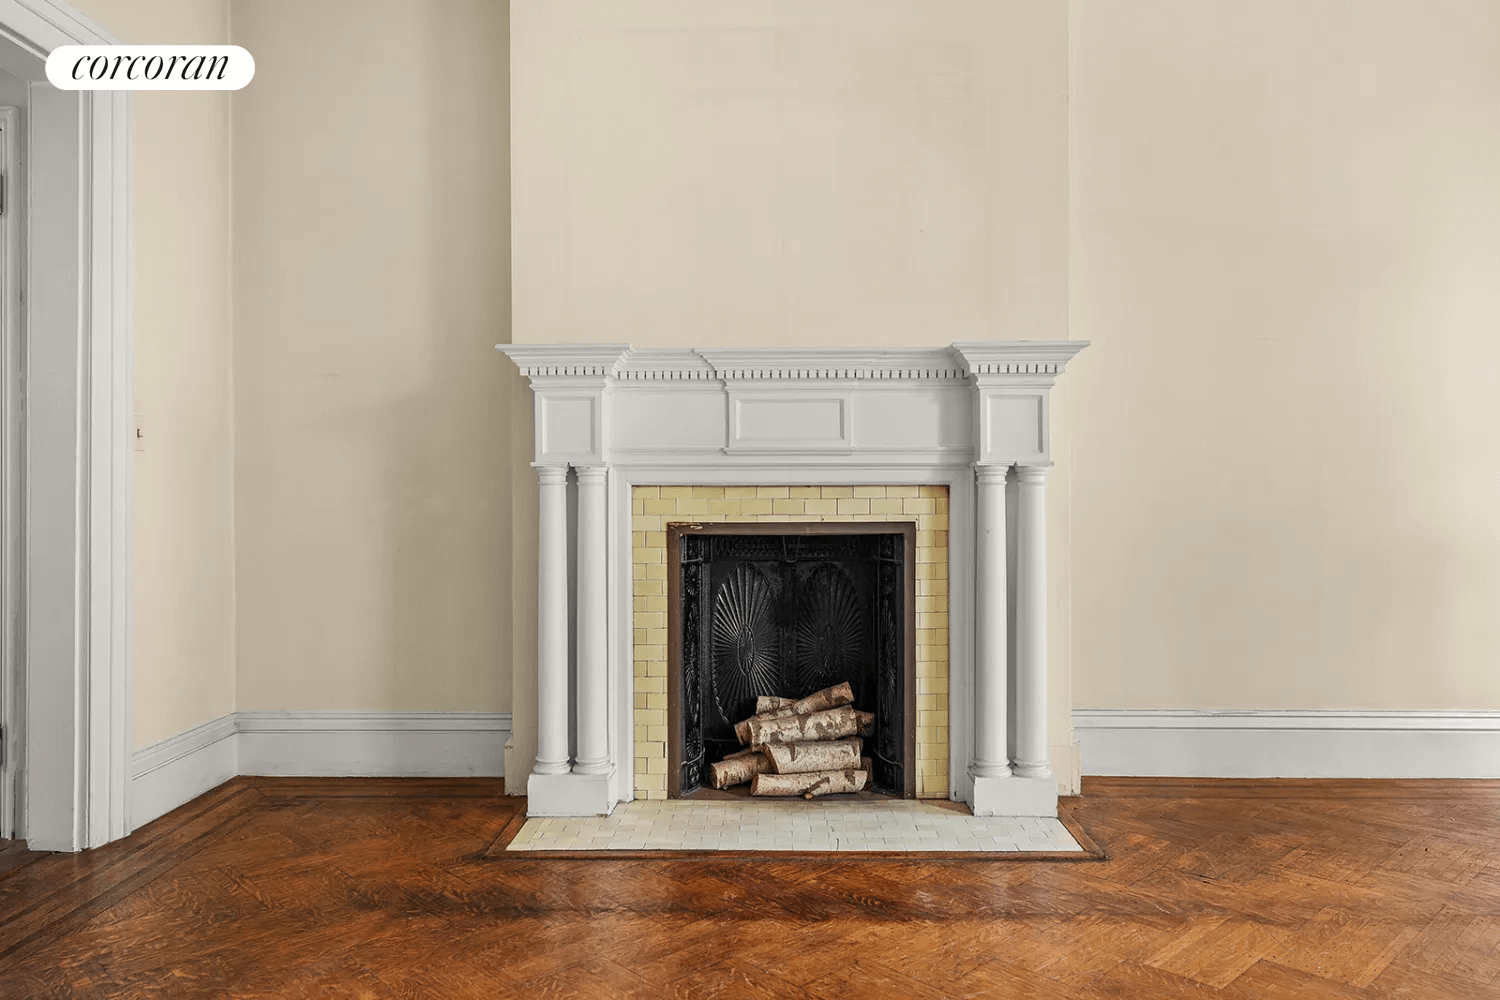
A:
[(743, 634), (829, 634)]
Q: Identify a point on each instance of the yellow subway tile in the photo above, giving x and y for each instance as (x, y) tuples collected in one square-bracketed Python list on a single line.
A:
[(657, 667), (932, 522), (654, 619), (917, 505), (638, 571), (656, 538), (649, 522), (691, 507), (648, 555), (926, 539), (651, 685), (931, 491), (661, 507), (929, 603), (820, 507), (638, 539), (837, 492), (788, 506), (899, 492), (872, 517), (750, 508), (805, 492), (928, 702), (657, 701), (931, 685), (885, 505), (871, 492), (657, 571), (676, 492), (637, 505), (707, 492), (775, 517), (658, 734), (659, 603), (854, 506), (722, 506), (646, 492), (738, 492), (640, 636), (773, 492), (656, 765), (638, 604), (640, 702), (940, 504), (837, 517)]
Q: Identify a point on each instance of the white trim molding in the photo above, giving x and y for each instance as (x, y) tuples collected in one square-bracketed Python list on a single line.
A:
[(1288, 743), (180, 768), (314, 744), (373, 744), (76, 637)]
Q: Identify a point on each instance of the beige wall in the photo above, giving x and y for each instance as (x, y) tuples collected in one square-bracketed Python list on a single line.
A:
[(371, 285), (184, 480), (758, 173), (1285, 242)]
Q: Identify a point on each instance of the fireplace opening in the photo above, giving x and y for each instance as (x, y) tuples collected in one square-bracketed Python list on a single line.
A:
[(788, 609)]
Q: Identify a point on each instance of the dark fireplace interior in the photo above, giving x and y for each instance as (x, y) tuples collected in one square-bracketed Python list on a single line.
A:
[(789, 609)]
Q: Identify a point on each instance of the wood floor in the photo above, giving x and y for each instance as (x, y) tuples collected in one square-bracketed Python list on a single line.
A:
[(379, 888)]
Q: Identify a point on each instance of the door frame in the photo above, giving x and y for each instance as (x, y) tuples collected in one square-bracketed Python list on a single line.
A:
[(74, 626), (12, 691)]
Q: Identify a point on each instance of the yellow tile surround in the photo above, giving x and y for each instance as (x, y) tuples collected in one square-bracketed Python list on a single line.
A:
[(654, 507)]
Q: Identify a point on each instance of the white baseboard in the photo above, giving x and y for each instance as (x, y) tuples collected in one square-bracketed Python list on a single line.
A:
[(374, 744), (314, 744), (180, 768), (1288, 744)]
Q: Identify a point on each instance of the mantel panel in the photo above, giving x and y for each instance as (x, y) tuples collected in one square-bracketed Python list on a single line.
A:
[(667, 418)]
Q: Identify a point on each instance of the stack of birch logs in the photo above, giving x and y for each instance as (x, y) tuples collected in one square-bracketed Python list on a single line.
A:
[(801, 746)]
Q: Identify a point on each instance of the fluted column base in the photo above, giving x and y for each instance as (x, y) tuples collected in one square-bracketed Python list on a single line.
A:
[(572, 794), (1015, 796)]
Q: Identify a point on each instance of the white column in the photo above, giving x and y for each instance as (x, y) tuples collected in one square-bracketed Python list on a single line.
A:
[(990, 661), (1032, 751), (552, 621), (593, 648)]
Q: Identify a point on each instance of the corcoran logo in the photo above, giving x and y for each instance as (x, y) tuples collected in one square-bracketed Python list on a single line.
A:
[(150, 67)]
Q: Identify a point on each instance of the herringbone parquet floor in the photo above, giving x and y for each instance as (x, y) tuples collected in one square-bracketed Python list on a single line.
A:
[(357, 888)]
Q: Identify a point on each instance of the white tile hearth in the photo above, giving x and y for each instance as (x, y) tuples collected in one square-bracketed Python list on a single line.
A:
[(861, 825)]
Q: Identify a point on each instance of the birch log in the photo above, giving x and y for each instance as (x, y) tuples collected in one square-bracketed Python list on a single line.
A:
[(738, 770), (866, 723), (825, 782), (818, 701), (798, 758), (829, 725), (770, 703)]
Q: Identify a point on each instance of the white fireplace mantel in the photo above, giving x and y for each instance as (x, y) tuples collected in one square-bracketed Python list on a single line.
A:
[(972, 416)]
